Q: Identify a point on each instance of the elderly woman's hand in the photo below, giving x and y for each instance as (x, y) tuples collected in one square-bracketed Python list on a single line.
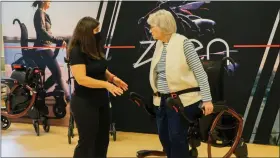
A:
[(207, 107)]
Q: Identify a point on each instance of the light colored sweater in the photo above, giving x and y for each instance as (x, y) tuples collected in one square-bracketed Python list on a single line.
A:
[(176, 66)]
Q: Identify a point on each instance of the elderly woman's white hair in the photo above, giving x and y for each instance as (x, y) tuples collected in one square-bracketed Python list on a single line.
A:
[(164, 20)]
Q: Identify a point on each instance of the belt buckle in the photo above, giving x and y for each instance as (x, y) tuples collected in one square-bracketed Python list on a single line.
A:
[(156, 94), (173, 95)]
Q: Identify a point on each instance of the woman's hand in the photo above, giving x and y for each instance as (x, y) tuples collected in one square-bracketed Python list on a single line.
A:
[(64, 45), (121, 84), (113, 89), (208, 107)]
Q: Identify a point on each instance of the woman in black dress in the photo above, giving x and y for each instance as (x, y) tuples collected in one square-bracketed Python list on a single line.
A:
[(90, 103)]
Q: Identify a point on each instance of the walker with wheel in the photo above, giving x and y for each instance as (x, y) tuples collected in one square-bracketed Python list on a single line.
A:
[(222, 128)]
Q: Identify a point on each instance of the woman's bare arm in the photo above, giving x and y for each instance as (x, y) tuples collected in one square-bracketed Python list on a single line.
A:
[(109, 76)]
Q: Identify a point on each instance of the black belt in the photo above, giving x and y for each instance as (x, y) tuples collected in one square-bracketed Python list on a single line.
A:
[(175, 94)]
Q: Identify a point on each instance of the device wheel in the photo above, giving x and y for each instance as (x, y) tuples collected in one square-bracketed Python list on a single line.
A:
[(46, 125), (46, 128), (71, 126), (36, 127), (194, 153), (111, 129), (59, 111), (114, 132), (114, 135), (242, 150), (69, 136), (5, 123), (69, 140), (70, 133)]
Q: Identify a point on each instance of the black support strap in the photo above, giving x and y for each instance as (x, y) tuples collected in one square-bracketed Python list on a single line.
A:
[(175, 94)]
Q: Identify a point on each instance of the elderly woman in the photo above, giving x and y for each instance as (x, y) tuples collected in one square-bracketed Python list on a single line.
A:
[(175, 67)]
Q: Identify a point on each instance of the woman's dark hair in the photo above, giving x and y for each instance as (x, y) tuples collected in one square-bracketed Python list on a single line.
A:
[(37, 3), (84, 38)]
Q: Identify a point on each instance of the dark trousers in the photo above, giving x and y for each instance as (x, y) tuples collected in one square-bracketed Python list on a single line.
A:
[(56, 76), (172, 129), (93, 124), (45, 59)]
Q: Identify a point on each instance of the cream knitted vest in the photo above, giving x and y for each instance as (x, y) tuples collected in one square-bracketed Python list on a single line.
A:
[(179, 76)]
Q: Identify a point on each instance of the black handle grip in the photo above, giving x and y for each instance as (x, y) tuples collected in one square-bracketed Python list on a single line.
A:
[(140, 101), (176, 104)]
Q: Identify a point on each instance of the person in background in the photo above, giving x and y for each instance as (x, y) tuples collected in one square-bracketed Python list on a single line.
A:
[(175, 67), (44, 55), (90, 102)]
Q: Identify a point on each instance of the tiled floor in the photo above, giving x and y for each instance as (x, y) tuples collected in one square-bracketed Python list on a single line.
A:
[(20, 140)]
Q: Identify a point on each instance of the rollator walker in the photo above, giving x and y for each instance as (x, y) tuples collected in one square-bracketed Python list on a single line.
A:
[(24, 92), (222, 128)]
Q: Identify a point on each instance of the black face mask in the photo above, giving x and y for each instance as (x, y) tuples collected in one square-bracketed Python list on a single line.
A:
[(97, 37)]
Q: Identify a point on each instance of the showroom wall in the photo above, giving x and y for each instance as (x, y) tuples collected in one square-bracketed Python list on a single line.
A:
[(246, 27), (249, 29)]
